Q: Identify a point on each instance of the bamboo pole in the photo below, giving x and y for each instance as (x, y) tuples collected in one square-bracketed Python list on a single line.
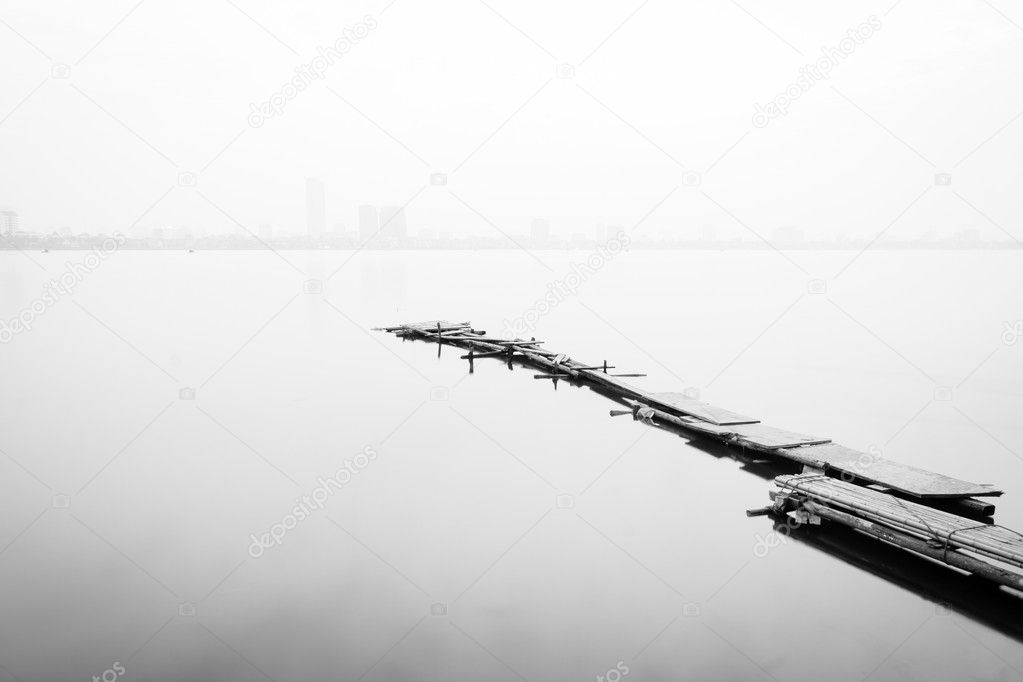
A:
[(951, 557)]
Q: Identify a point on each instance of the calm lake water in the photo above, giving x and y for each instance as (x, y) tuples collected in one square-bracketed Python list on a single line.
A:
[(178, 405)]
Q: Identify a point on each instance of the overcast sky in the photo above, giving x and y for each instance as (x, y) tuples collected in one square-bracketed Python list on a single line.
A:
[(105, 105)]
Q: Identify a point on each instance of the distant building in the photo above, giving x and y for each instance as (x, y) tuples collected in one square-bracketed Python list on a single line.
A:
[(968, 237), (788, 235), (540, 230), (315, 207), (369, 222), (8, 222), (392, 222), (265, 231)]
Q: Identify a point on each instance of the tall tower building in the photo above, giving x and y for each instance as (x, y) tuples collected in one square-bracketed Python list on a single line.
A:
[(315, 207), (369, 222), (8, 222), (392, 222)]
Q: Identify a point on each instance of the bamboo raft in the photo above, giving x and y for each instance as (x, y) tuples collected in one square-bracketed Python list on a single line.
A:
[(933, 515)]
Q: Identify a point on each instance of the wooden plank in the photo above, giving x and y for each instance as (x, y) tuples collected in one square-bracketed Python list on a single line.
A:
[(760, 436), (680, 402), (771, 437), (485, 354), (431, 325), (497, 341), (894, 475)]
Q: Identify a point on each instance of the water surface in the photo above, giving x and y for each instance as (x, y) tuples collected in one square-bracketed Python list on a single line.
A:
[(128, 512)]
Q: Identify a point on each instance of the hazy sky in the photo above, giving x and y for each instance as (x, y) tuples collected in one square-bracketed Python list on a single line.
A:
[(104, 105)]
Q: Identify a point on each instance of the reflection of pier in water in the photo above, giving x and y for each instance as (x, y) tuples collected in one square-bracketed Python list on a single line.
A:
[(920, 529)]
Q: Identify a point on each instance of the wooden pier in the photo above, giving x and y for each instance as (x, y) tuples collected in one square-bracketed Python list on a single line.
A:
[(933, 515)]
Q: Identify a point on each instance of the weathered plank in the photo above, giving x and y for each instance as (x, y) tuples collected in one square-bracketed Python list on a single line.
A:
[(894, 475), (761, 436), (771, 437), (431, 325), (680, 402)]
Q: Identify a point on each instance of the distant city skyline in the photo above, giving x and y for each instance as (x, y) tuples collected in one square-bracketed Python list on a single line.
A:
[(385, 228), (388, 225)]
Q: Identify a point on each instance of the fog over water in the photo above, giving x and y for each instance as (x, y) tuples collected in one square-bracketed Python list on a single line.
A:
[(443, 553), (211, 468)]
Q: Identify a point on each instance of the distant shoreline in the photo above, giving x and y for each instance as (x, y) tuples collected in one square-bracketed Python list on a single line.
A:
[(1007, 246)]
